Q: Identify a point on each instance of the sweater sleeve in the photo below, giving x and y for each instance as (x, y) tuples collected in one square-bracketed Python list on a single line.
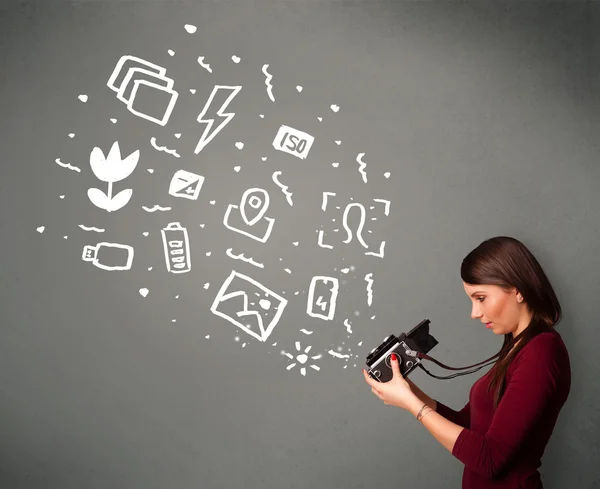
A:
[(529, 390), (461, 418)]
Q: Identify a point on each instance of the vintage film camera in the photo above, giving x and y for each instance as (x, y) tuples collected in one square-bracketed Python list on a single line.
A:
[(407, 348)]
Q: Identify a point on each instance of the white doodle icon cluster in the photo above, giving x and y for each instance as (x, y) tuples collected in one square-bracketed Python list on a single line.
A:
[(148, 93)]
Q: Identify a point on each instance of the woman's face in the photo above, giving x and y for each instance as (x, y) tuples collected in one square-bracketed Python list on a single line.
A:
[(501, 311)]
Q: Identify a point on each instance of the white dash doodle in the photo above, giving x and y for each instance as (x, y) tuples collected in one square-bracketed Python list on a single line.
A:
[(348, 327), (163, 148), (306, 331), (337, 355), (86, 228), (214, 108), (369, 280), (361, 166), (241, 256), (156, 208), (67, 165), (268, 79), (288, 195), (204, 65)]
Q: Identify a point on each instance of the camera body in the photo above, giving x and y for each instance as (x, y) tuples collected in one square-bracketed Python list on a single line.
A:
[(406, 347)]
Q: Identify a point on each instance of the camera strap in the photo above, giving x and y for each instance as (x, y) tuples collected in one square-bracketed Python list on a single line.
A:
[(482, 364)]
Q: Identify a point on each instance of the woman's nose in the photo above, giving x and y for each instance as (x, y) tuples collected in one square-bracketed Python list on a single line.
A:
[(475, 313)]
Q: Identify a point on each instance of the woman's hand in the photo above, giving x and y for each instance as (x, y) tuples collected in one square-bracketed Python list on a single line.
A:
[(396, 392)]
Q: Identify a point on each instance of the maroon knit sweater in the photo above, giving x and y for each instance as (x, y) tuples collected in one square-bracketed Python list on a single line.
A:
[(502, 448)]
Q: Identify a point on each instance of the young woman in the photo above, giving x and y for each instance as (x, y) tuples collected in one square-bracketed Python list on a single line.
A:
[(501, 433)]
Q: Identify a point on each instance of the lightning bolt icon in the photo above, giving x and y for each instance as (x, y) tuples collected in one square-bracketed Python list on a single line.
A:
[(321, 303), (215, 100)]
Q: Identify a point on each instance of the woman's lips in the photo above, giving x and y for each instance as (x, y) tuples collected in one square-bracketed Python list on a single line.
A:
[(488, 325)]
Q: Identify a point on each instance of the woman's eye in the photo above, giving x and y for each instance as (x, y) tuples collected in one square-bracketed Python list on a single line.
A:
[(480, 299)]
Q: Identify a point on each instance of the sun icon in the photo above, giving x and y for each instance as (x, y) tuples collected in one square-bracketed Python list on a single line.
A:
[(302, 358)]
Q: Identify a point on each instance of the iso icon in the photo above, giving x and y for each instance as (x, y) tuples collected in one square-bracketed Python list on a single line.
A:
[(293, 141)]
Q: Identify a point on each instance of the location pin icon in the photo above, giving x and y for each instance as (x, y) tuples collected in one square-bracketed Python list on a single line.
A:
[(254, 204)]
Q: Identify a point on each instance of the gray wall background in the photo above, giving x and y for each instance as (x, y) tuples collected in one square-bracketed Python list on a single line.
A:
[(486, 116)]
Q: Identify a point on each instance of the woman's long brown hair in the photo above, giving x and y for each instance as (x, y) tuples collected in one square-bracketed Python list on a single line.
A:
[(506, 262)]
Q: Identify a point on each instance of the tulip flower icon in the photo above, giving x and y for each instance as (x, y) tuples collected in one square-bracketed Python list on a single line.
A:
[(111, 169)]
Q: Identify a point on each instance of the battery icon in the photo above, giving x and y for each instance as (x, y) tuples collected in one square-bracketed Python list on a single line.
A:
[(177, 248)]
